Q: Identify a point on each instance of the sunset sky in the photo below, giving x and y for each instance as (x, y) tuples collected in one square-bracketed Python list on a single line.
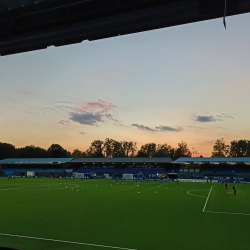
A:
[(186, 83)]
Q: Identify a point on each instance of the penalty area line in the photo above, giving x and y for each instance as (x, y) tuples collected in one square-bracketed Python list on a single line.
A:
[(207, 199), (225, 213), (188, 192), (64, 241)]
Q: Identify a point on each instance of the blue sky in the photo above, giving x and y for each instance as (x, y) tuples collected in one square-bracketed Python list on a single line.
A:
[(189, 82)]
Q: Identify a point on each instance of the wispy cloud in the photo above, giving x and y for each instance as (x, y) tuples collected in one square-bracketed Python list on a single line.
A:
[(47, 108), (25, 92), (110, 117), (159, 128), (121, 125), (16, 101), (63, 122), (142, 127), (82, 133), (170, 129), (195, 127), (64, 107), (100, 105), (225, 116), (65, 102), (222, 128), (212, 118)]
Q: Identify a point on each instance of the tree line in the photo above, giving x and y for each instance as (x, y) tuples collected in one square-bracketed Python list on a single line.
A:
[(111, 148), (240, 148), (108, 148)]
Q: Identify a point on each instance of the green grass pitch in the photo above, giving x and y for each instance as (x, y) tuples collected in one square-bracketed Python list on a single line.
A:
[(111, 216)]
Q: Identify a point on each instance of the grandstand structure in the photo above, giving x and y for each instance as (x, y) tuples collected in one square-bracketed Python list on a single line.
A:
[(36, 167), (120, 167), (215, 167), (131, 168)]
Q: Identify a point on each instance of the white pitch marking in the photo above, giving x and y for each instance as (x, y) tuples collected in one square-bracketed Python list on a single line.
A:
[(27, 187), (64, 241), (195, 194), (224, 213), (30, 189), (207, 199)]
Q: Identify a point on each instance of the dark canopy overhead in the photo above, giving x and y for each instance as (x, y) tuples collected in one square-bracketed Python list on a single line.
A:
[(123, 160), (12, 4), (35, 160), (62, 22), (213, 160)]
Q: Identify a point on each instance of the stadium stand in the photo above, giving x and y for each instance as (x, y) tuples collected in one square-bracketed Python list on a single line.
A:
[(39, 167), (184, 167)]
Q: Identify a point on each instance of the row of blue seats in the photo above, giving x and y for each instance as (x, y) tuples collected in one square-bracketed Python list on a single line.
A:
[(125, 170), (90, 170), (222, 173), (41, 170)]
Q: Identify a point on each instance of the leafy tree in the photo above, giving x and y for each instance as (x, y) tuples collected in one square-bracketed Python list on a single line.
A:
[(108, 147), (129, 148), (7, 150), (96, 149), (31, 152), (148, 150), (163, 150), (161, 153), (220, 149), (57, 151), (141, 153), (118, 150), (240, 148), (113, 148), (78, 154), (182, 151)]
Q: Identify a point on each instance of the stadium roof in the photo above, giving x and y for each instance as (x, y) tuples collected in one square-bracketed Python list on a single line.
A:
[(123, 160), (35, 160), (213, 160), (12, 4)]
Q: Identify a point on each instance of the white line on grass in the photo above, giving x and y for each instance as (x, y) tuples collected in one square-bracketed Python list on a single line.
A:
[(46, 185), (207, 199), (224, 213), (64, 241), (196, 191)]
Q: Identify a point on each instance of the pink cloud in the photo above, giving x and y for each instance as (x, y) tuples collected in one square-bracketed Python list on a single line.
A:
[(92, 113), (100, 106)]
